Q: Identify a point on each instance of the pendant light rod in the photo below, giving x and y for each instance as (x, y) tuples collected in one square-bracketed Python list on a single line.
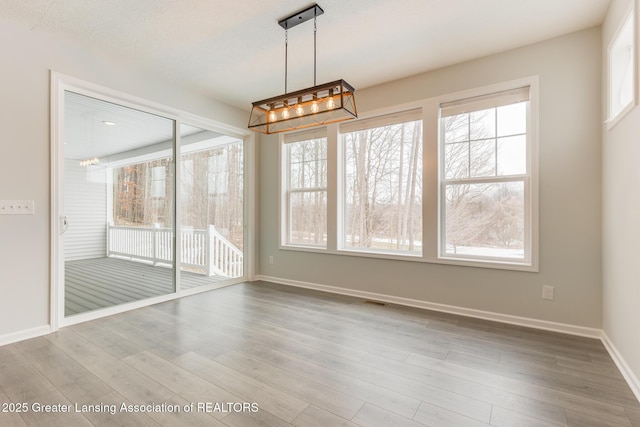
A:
[(296, 19), (315, 31), (286, 55)]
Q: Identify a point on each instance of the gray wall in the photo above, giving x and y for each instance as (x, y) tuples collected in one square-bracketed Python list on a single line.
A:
[(621, 213), (569, 70), (27, 58)]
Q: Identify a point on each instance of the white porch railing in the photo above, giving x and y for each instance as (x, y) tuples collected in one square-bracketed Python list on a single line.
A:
[(205, 250)]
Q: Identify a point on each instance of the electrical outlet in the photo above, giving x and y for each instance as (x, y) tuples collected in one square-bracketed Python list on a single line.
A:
[(17, 207), (271, 260), (547, 292)]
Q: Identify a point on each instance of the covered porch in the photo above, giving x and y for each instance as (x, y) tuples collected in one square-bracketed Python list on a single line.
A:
[(143, 197), (96, 283)]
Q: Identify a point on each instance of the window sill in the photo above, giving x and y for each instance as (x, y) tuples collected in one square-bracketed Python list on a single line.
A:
[(495, 265), (613, 121), (481, 263)]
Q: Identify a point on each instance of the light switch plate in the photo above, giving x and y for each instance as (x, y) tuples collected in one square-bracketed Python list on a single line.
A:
[(17, 207)]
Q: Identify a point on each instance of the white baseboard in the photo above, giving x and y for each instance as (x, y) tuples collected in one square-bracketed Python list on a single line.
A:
[(24, 335), (627, 373), (451, 309)]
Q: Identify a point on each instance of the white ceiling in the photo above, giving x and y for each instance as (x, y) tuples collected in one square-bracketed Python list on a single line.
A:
[(114, 133), (234, 50)]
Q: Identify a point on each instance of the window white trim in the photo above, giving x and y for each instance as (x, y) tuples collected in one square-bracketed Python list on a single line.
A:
[(431, 188), (410, 115), (622, 65), (382, 121), (480, 98), (304, 135), (482, 102), (286, 191)]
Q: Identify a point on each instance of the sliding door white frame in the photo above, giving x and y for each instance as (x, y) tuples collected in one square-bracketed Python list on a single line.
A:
[(61, 83)]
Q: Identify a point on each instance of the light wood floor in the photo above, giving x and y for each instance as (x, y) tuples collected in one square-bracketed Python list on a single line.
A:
[(312, 359), (96, 283)]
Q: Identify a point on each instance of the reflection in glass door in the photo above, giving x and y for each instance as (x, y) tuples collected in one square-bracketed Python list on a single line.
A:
[(119, 175), (211, 216)]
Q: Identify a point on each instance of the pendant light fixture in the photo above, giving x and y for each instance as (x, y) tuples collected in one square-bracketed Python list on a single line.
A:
[(315, 106)]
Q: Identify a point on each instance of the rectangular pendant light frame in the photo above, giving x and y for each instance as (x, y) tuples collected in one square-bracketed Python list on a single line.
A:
[(323, 104), (315, 106)]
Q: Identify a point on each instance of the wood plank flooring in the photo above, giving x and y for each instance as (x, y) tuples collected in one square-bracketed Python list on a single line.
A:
[(96, 283), (305, 358)]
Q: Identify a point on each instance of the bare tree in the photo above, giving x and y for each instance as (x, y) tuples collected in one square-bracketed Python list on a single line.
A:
[(478, 214), (384, 177), (211, 188)]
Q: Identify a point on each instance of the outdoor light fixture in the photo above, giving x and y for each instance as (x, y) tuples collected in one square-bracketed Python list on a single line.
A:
[(318, 105), (89, 162)]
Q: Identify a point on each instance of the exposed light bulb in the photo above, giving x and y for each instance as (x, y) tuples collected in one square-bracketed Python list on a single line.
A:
[(90, 162), (299, 110), (272, 116), (285, 113), (331, 104), (314, 107)]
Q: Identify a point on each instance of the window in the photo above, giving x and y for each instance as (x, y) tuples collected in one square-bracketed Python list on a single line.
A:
[(382, 175), (621, 70), (142, 194), (447, 180), (158, 181), (485, 148), (218, 172), (305, 156)]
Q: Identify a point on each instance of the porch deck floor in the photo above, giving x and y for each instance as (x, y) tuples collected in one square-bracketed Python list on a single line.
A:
[(104, 282)]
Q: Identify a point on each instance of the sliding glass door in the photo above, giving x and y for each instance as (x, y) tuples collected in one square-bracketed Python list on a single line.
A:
[(211, 214), (119, 173), (124, 192)]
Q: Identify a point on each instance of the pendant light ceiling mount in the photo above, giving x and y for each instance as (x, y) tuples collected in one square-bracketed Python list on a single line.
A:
[(315, 106), (300, 17)]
